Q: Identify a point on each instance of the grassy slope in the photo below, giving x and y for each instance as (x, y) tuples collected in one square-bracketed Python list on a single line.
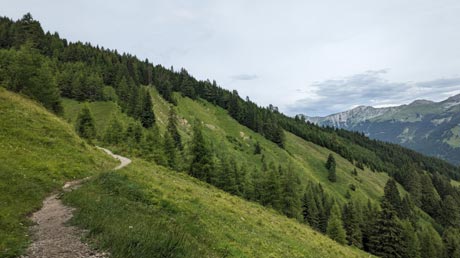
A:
[(454, 140), (101, 110), (230, 137), (218, 227), (409, 113), (142, 209), (307, 158), (38, 153)]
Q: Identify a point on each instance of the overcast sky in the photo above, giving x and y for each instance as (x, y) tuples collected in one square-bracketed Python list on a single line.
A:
[(312, 57)]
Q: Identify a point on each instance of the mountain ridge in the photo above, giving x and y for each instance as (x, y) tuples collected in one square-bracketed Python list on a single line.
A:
[(435, 124)]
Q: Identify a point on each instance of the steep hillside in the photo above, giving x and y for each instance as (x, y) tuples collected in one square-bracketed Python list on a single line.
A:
[(337, 182), (230, 138), (38, 153), (147, 211), (170, 212), (429, 127)]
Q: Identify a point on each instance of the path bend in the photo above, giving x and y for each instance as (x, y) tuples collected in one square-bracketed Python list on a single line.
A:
[(52, 238)]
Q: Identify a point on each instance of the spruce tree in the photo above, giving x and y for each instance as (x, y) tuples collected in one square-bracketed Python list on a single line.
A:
[(85, 126), (451, 240), (450, 212), (332, 175), (330, 161), (335, 228), (134, 133), (386, 236), (351, 222), (272, 189), (310, 210), (370, 215), (226, 177), (152, 148), (170, 151), (391, 195), (291, 187), (257, 148), (147, 116), (410, 241), (429, 199), (172, 128), (114, 131), (29, 73), (202, 163), (408, 209), (330, 166), (430, 243)]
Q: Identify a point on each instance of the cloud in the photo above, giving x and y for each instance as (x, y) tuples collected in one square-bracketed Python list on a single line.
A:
[(369, 88), (244, 77)]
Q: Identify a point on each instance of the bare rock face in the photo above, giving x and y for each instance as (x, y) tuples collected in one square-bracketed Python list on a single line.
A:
[(350, 117)]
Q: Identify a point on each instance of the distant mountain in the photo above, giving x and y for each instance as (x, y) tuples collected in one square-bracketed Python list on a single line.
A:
[(432, 128)]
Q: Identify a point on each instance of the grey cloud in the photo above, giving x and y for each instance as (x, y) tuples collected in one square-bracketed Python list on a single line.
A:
[(244, 77), (368, 88), (445, 83)]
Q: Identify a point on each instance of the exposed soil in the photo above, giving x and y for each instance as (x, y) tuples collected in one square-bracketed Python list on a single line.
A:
[(52, 238)]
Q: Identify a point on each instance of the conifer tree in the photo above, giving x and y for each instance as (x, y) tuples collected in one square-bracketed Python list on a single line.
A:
[(386, 237), (391, 195), (451, 240), (330, 166), (407, 209), (202, 164), (29, 73), (370, 215), (291, 187), (172, 128), (335, 228), (332, 175), (147, 116), (330, 161), (450, 212), (152, 146), (430, 243), (257, 148), (134, 133), (85, 126), (272, 195), (114, 131), (310, 209), (351, 222), (429, 199), (226, 177), (410, 242), (170, 151)]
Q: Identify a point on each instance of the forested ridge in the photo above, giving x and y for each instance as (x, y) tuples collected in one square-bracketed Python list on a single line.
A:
[(46, 68)]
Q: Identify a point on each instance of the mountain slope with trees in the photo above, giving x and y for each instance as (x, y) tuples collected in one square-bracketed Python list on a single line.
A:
[(359, 192), (429, 127), (39, 152)]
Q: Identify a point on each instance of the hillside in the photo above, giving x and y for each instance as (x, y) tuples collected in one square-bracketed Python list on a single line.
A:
[(39, 152), (229, 137), (429, 127), (148, 211), (192, 140), (53, 154)]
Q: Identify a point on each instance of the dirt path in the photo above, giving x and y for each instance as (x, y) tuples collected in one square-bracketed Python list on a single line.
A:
[(54, 239)]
